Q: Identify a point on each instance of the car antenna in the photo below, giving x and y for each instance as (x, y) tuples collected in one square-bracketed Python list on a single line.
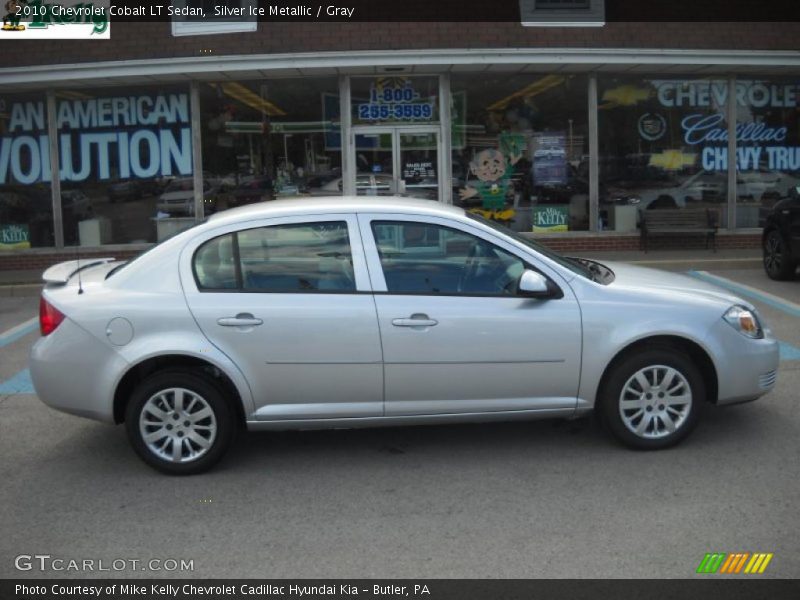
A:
[(78, 263)]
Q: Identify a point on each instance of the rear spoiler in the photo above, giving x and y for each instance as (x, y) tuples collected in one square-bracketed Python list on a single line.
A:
[(61, 272)]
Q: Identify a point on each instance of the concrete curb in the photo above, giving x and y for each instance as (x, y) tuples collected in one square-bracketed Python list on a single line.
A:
[(19, 290), (710, 263)]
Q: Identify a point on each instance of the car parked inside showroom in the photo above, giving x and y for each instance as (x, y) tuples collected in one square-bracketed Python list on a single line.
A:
[(780, 239), (351, 312)]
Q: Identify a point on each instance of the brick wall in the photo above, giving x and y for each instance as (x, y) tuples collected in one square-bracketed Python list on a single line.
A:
[(20, 260), (631, 242), (40, 260), (154, 40)]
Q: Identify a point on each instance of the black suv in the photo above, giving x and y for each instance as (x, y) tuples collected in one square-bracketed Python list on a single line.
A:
[(781, 237)]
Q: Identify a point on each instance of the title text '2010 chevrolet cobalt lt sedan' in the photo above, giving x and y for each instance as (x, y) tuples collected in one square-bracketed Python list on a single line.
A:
[(347, 312)]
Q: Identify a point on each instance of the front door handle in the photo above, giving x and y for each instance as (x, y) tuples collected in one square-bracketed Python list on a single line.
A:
[(240, 320), (415, 320)]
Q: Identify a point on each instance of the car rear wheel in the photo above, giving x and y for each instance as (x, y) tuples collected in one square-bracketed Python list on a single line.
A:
[(179, 422), (651, 399), (777, 262)]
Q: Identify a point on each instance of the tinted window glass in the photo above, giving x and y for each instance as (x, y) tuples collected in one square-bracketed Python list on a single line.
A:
[(420, 258), (214, 265), (308, 257)]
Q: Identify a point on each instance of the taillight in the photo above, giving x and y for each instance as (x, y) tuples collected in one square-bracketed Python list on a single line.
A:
[(49, 317)]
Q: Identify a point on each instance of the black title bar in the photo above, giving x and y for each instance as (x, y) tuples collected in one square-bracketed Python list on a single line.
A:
[(612, 11), (705, 588)]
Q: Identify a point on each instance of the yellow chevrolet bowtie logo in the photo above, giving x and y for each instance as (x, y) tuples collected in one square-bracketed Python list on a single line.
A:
[(625, 95), (735, 562), (672, 160)]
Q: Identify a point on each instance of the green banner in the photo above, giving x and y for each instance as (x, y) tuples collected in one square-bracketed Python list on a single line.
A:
[(13, 237), (548, 218)]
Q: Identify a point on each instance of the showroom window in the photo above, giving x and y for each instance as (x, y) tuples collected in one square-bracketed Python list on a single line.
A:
[(26, 206), (768, 146), (663, 144), (125, 156), (264, 140), (520, 149)]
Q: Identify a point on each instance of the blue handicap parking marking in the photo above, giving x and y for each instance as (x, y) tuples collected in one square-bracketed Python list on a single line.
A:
[(789, 352), (18, 332), (19, 384)]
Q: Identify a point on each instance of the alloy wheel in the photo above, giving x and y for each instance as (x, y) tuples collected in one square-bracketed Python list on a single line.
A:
[(177, 425), (655, 401)]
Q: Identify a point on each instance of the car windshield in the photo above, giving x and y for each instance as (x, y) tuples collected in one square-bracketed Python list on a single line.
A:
[(568, 263)]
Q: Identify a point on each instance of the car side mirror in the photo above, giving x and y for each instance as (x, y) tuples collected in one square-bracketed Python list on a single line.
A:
[(533, 284)]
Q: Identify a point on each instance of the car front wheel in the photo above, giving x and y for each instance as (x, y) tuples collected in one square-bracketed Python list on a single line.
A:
[(179, 422), (777, 262), (651, 399)]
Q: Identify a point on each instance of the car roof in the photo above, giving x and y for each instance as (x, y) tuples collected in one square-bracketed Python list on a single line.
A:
[(331, 205)]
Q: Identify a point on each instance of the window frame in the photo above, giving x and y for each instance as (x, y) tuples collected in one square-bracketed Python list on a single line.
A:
[(533, 16), (207, 26)]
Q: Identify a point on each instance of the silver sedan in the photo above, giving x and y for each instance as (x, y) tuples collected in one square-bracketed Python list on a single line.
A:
[(348, 312)]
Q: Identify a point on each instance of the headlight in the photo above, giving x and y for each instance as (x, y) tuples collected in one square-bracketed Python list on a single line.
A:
[(744, 321)]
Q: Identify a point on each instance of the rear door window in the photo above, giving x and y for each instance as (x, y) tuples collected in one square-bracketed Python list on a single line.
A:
[(287, 258)]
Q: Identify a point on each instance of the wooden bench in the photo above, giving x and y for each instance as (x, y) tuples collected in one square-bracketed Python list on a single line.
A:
[(668, 221)]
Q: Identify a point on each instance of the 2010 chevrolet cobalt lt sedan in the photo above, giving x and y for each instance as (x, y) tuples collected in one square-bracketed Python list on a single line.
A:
[(347, 312)]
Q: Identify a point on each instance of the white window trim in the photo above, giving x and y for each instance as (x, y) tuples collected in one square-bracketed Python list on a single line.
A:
[(594, 16), (211, 27)]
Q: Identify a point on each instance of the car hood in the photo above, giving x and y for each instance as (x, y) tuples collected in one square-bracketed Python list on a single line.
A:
[(642, 278)]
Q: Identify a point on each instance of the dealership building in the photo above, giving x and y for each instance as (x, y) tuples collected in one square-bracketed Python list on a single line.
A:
[(565, 131)]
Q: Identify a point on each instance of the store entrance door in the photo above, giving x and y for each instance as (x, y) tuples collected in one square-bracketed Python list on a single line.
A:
[(402, 161)]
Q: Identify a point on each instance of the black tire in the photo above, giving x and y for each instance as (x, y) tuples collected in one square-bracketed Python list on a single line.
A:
[(656, 411), (778, 264), (190, 425)]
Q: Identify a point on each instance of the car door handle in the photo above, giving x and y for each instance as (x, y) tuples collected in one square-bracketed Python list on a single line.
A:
[(415, 320), (240, 320)]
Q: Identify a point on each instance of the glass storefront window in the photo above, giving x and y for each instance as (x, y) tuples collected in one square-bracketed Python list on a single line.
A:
[(122, 152), (768, 146), (263, 140), (663, 144), (520, 149), (26, 207)]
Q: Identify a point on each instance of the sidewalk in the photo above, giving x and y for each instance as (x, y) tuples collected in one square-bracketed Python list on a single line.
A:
[(28, 282)]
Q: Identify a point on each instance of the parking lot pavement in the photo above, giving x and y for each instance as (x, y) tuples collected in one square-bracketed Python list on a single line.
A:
[(540, 499)]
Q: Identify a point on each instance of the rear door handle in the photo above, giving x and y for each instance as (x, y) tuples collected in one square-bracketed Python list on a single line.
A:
[(240, 320), (415, 320)]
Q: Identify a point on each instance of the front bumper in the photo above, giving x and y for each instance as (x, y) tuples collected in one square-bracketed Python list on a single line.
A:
[(746, 368)]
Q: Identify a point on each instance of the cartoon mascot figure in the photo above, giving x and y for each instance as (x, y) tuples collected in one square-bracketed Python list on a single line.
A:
[(493, 172), (11, 22)]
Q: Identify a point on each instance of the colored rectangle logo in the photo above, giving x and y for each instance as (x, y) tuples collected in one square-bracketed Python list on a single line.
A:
[(735, 563)]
